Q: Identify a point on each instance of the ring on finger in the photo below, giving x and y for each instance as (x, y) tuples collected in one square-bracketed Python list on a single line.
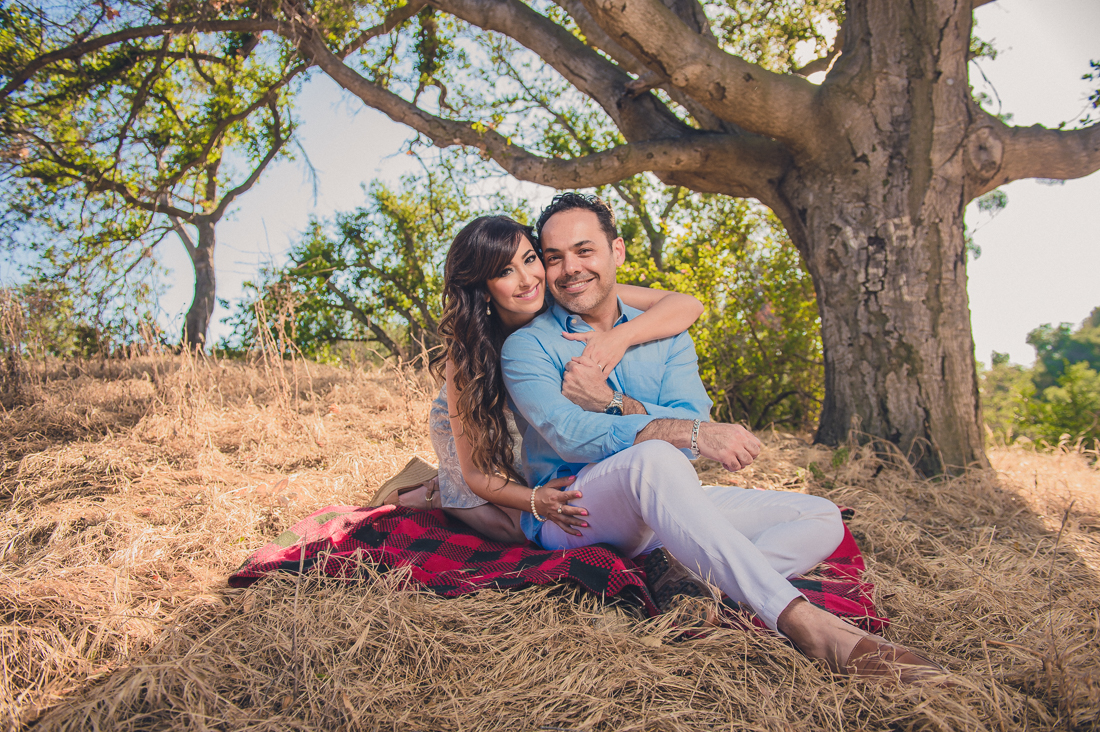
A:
[(560, 509)]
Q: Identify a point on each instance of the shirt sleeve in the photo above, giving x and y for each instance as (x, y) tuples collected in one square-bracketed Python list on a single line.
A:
[(533, 378), (683, 395)]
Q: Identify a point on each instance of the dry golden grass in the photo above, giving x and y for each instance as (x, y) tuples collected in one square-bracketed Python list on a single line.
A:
[(131, 489)]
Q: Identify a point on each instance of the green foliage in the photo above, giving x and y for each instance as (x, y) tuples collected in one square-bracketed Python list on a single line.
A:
[(1094, 97), (373, 275), (768, 33), (1059, 347), (1055, 400), (990, 205), (1006, 393), (758, 340), (1072, 408)]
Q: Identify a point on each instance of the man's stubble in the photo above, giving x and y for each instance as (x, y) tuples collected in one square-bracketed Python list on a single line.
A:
[(589, 300)]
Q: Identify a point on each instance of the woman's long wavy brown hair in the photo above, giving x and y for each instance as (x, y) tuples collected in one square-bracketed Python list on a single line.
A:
[(472, 338)]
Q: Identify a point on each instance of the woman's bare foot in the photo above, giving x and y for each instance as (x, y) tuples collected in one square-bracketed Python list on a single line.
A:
[(849, 650)]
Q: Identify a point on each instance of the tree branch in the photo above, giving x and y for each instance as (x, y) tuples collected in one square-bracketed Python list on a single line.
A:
[(357, 313), (780, 106), (999, 154), (76, 50), (273, 150), (825, 62), (745, 159), (647, 77), (395, 18), (640, 117), (177, 226)]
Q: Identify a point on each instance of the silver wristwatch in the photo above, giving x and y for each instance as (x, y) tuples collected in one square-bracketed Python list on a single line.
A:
[(615, 406)]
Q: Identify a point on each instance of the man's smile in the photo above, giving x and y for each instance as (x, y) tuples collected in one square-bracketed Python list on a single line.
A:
[(576, 285)]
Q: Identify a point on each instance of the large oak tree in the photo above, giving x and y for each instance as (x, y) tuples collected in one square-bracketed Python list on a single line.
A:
[(870, 171)]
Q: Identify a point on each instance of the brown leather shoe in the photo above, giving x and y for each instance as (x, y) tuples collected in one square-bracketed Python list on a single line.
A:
[(675, 588), (875, 657)]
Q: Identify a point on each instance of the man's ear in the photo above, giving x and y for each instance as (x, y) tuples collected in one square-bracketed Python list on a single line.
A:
[(618, 249)]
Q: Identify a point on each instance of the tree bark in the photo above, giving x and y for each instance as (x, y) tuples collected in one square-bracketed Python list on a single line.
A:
[(197, 323), (879, 221)]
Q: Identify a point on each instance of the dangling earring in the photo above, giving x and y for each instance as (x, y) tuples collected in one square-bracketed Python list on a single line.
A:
[(488, 308)]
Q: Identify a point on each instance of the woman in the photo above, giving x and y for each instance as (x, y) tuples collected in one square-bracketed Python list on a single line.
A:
[(494, 283)]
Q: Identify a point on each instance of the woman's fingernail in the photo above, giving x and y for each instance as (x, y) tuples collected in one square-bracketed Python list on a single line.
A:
[(584, 526), (584, 513)]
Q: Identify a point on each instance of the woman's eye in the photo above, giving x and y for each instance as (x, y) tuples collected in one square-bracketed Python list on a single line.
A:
[(505, 273), (530, 259)]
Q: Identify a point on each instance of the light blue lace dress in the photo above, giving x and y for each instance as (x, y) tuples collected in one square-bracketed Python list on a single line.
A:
[(453, 490)]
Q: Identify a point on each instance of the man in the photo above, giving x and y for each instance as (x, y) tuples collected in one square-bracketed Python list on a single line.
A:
[(630, 442)]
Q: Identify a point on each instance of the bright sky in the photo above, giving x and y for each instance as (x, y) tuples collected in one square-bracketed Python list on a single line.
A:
[(1040, 258)]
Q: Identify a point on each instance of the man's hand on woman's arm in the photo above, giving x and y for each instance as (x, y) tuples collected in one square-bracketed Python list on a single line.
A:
[(730, 444)]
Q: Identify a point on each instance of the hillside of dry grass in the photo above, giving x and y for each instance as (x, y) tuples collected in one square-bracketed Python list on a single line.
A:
[(132, 488)]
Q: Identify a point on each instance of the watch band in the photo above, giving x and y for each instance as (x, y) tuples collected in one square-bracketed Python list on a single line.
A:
[(695, 437), (615, 406)]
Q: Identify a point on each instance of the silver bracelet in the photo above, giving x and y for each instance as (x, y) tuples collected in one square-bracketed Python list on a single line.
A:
[(535, 513), (695, 438)]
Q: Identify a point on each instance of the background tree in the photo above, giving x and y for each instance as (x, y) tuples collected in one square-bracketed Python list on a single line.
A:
[(869, 172), (113, 149), (1058, 398)]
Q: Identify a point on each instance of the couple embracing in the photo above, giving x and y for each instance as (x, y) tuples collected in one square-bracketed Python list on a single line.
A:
[(599, 382)]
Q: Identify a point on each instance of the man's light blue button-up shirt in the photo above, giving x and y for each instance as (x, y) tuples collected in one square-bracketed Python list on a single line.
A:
[(560, 438)]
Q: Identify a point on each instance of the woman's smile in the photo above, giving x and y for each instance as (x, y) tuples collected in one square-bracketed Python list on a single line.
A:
[(529, 294)]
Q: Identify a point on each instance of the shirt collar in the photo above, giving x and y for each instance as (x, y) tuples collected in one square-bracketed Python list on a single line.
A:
[(575, 324)]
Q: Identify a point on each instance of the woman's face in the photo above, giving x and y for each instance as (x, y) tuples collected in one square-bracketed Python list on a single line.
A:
[(518, 291)]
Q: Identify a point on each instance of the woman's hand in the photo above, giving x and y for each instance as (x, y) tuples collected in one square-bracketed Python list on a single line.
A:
[(604, 347), (552, 504)]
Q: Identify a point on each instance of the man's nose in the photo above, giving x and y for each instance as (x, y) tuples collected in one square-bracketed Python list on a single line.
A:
[(570, 264)]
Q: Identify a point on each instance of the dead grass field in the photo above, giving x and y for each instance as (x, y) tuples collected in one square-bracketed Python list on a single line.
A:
[(130, 489)]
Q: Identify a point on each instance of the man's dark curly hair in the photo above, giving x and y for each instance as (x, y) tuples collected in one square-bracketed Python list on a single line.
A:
[(593, 203)]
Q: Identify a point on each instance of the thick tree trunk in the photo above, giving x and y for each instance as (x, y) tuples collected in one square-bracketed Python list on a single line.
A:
[(895, 325), (202, 307), (879, 219)]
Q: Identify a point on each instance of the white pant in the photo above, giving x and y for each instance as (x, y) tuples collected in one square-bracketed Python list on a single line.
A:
[(747, 542)]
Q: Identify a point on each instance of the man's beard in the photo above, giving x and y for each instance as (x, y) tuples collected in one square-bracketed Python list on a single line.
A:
[(586, 301)]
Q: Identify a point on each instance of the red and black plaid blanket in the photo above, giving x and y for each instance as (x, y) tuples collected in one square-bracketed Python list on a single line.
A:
[(451, 559)]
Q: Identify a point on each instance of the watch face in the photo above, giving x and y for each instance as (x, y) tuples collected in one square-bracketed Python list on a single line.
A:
[(614, 410)]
